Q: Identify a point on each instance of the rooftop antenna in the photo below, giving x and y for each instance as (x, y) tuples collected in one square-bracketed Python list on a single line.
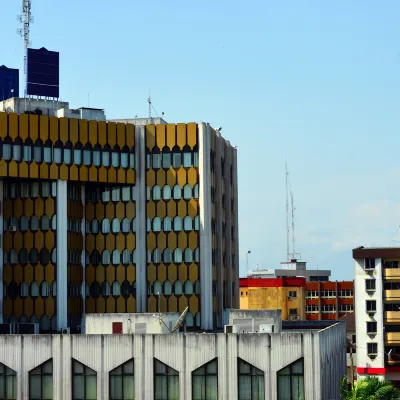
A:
[(180, 321), (287, 213), (26, 19), (149, 101), (293, 241)]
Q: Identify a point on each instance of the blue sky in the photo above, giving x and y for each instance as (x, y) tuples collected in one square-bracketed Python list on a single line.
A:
[(313, 82)]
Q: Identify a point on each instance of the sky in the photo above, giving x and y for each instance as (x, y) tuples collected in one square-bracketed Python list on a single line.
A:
[(316, 83)]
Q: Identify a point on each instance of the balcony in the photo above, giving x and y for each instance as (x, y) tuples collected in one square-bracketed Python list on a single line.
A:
[(391, 274), (392, 338), (392, 317), (392, 295)]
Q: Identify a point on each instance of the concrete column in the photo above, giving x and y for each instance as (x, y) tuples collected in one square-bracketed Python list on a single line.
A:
[(141, 247), (206, 298), (1, 250), (62, 256), (83, 256)]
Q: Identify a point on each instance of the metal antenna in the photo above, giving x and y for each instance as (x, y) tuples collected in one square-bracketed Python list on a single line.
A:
[(26, 19), (287, 215), (150, 117), (293, 208)]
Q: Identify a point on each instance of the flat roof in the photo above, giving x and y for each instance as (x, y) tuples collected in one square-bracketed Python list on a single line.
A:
[(376, 252)]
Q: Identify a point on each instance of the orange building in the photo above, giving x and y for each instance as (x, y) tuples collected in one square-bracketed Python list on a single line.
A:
[(286, 294)]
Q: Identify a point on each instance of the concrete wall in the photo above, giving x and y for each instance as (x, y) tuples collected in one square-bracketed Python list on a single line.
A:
[(184, 353)]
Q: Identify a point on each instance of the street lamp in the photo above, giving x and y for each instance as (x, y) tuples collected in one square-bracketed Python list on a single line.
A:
[(247, 262)]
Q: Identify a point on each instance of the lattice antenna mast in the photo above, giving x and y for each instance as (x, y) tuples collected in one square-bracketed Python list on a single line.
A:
[(26, 19), (287, 214), (150, 107), (293, 235)]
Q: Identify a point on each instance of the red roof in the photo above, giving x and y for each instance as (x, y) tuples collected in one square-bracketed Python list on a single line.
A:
[(272, 282)]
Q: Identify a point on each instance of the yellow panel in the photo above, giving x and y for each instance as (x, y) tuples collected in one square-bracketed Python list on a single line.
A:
[(34, 170), (8, 209), (12, 169), (53, 171), (192, 176), (53, 129), (151, 273), (28, 240), (18, 208), (83, 131), (131, 305), (64, 130), (39, 207), (171, 209), (183, 303), (28, 273), (3, 168), (193, 272), (18, 274), (171, 177), (100, 274), (100, 305), (181, 128), (39, 307), (44, 128), (49, 240), (89, 242), (23, 126), (151, 241), (73, 131), (121, 273), (39, 240), (182, 208), (130, 176), (161, 241), (171, 136), (160, 139), (161, 177), (192, 136), (131, 273), (130, 135), (74, 173), (151, 209), (7, 274), (163, 304), (193, 243), (3, 124), (90, 274), (93, 132), (49, 273), (112, 135), (18, 241), (93, 174), (23, 170), (44, 171), (172, 304), (110, 304), (182, 272), (100, 243), (102, 132), (182, 240), (13, 125), (102, 174), (110, 211), (181, 175), (151, 304), (192, 208), (121, 134), (112, 175), (83, 173), (121, 305), (49, 306), (49, 206), (7, 306), (130, 210), (121, 176), (150, 136), (172, 240), (110, 274), (110, 241), (100, 211), (18, 307), (89, 211), (7, 241), (90, 305), (150, 178), (28, 307), (130, 242), (194, 304), (64, 172), (120, 239), (162, 273)]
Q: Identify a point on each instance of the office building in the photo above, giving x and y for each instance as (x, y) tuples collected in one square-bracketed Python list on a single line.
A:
[(105, 217), (290, 362)]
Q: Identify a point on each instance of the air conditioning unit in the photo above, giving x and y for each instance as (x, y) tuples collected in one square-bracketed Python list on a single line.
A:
[(7, 329), (28, 329), (66, 331), (12, 228), (294, 317), (290, 298)]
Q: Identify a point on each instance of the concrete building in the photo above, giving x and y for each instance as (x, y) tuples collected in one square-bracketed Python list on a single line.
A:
[(285, 294), (377, 291), (299, 362), (105, 217)]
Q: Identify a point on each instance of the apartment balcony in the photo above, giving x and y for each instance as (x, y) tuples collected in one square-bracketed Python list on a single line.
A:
[(392, 338), (393, 359), (392, 295), (392, 317), (391, 274)]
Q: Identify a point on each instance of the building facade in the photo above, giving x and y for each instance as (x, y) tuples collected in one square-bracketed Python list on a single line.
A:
[(377, 285), (329, 300), (104, 217), (285, 294)]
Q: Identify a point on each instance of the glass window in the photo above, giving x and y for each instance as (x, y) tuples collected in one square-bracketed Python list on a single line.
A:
[(187, 160), (126, 257), (122, 382), (105, 195), (67, 156), (124, 160), (105, 156), (95, 226), (77, 156), (167, 256), (13, 257), (176, 160), (115, 226), (84, 382), (106, 258), (87, 157), (148, 193), (250, 381), (115, 194), (166, 382), (57, 155), (156, 256), (23, 291), (187, 192), (34, 289), (134, 225), (45, 223), (148, 160), (188, 287), (7, 151), (37, 152), (177, 224), (196, 191), (177, 256), (47, 154), (166, 160), (17, 152), (166, 192), (134, 256), (156, 192), (116, 289), (27, 153), (205, 382), (156, 224), (126, 193), (105, 289), (45, 189), (188, 224), (156, 160), (167, 288), (196, 223), (35, 190), (167, 224), (96, 158), (8, 383), (115, 159), (188, 255), (291, 381), (126, 225), (177, 192), (133, 193), (34, 223), (148, 224), (41, 382), (105, 226), (197, 255), (116, 257), (195, 159), (132, 160)]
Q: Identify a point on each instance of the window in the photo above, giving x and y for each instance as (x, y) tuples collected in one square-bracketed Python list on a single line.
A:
[(8, 383), (166, 160), (156, 224), (370, 284), (345, 293), (156, 192), (328, 293), (126, 225), (188, 255), (115, 159), (177, 256), (122, 382), (292, 311), (369, 263), (187, 192), (57, 155), (372, 327), (27, 153), (67, 156), (6, 151), (291, 382), (156, 160), (292, 294), (187, 224), (372, 349), (115, 225), (166, 382), (177, 192), (126, 193), (391, 264), (166, 192), (177, 224), (346, 308), (124, 160), (205, 382), (105, 226), (41, 382), (371, 306), (176, 159), (328, 308), (196, 191), (311, 308), (84, 382), (105, 157), (167, 256), (250, 382), (311, 294), (17, 152), (196, 223), (96, 157), (167, 224)]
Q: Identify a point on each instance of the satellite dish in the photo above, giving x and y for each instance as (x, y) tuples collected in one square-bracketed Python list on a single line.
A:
[(180, 320)]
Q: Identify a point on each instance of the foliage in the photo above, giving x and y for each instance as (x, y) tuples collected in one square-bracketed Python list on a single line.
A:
[(369, 388)]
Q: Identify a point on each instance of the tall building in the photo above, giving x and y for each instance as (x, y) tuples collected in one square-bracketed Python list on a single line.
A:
[(377, 285), (103, 217)]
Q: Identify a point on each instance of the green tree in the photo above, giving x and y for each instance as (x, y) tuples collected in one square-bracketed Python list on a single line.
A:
[(369, 389)]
